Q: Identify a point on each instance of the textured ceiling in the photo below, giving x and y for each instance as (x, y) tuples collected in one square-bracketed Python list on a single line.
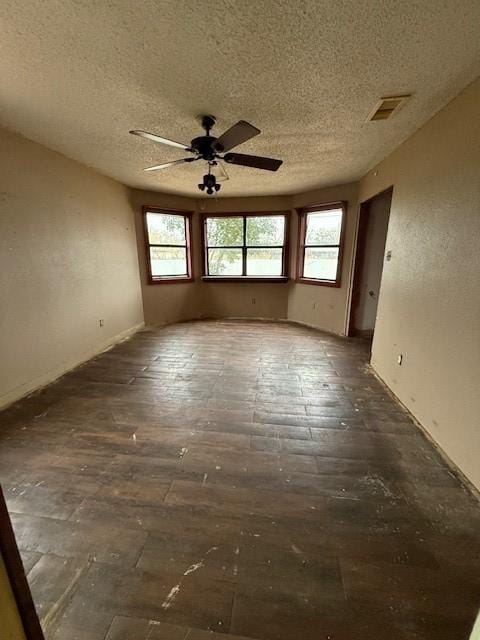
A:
[(76, 75)]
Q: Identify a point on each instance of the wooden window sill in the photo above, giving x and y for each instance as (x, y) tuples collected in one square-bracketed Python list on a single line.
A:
[(170, 280), (270, 279), (319, 283)]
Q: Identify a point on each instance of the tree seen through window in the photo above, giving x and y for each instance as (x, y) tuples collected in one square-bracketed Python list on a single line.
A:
[(245, 245)]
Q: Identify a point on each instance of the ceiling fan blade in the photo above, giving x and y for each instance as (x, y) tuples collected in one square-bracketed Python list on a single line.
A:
[(238, 133), (257, 162), (157, 167), (155, 138)]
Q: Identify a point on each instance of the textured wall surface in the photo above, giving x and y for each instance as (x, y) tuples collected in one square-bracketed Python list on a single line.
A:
[(322, 307), (77, 76), (168, 303), (164, 303), (12, 627), (429, 307), (326, 307), (67, 259)]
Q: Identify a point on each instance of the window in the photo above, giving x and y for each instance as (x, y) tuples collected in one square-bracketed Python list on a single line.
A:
[(245, 246), (168, 236), (320, 236)]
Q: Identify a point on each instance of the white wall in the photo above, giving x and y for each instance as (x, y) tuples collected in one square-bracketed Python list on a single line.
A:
[(67, 258), (429, 307)]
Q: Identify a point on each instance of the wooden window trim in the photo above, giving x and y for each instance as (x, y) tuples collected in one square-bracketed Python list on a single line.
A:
[(302, 217), (187, 215), (284, 277), (271, 279)]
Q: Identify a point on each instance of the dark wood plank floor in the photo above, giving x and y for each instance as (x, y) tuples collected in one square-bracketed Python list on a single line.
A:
[(248, 479)]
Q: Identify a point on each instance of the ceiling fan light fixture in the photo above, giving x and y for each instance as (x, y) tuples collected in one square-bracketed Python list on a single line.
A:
[(210, 149), (209, 184)]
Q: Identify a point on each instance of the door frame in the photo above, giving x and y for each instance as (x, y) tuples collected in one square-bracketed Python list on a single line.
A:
[(16, 576), (359, 256)]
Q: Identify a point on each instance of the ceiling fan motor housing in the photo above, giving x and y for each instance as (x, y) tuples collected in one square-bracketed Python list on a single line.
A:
[(203, 146)]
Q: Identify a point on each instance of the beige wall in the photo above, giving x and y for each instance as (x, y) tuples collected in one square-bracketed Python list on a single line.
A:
[(164, 303), (325, 307), (429, 307), (10, 622), (475, 635), (67, 259)]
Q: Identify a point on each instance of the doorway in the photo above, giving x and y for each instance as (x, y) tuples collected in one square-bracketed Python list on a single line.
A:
[(369, 258)]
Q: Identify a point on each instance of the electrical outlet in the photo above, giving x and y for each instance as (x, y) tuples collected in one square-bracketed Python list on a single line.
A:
[(101, 322), (400, 359), (314, 305), (254, 301)]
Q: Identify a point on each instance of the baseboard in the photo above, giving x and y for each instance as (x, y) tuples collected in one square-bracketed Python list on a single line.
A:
[(248, 319), (316, 328), (42, 381), (362, 333), (453, 467), (286, 321), (213, 319)]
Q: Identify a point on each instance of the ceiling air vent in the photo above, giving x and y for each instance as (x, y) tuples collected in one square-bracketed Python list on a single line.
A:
[(387, 106)]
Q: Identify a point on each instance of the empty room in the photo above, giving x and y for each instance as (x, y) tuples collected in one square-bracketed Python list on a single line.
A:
[(239, 320)]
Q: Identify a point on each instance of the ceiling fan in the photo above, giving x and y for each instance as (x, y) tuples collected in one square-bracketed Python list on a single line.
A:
[(212, 150)]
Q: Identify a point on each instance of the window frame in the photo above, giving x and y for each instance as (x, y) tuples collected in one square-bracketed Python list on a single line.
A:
[(187, 216), (284, 277), (302, 229)]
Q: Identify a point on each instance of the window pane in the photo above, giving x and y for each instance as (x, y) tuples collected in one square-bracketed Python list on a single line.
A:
[(320, 263), (323, 227), (265, 230), (168, 261), (225, 262), (164, 228), (264, 262), (225, 232)]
